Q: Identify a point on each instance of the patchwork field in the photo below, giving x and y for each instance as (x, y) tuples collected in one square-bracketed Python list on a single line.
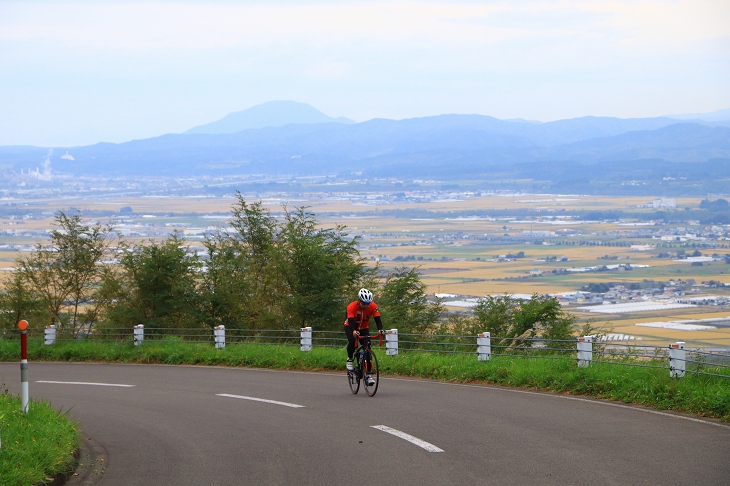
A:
[(463, 255)]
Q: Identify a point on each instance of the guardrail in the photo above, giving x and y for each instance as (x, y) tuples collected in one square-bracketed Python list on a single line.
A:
[(585, 350)]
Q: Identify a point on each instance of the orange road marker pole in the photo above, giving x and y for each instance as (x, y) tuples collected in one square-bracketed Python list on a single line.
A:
[(23, 326)]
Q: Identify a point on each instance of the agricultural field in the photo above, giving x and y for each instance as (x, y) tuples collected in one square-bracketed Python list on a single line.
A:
[(460, 248)]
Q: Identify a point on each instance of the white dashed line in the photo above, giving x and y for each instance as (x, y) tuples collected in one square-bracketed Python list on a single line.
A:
[(285, 404), (83, 383), (413, 440)]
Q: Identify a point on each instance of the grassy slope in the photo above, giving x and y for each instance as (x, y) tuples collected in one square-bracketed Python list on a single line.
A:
[(702, 395), (36, 447)]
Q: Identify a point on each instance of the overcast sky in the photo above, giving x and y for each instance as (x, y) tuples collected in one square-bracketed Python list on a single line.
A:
[(81, 72)]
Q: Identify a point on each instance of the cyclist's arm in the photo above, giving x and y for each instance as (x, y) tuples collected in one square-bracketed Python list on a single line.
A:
[(379, 323), (351, 323)]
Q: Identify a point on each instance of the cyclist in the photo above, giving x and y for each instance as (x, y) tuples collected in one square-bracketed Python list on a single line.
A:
[(358, 324)]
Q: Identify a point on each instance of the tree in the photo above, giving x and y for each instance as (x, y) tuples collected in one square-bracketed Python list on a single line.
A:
[(319, 267), (80, 249), (717, 205), (225, 288), (493, 314), (511, 320), (40, 270), (253, 244), (65, 274), (241, 285), (17, 302), (266, 274), (404, 303), (110, 293), (543, 316), (158, 286)]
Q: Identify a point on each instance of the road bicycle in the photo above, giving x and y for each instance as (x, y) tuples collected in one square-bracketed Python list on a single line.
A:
[(364, 364)]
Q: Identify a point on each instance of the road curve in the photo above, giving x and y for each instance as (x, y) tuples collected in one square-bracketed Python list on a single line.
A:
[(188, 425)]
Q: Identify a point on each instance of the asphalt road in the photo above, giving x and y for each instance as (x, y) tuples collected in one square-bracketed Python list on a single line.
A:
[(187, 425)]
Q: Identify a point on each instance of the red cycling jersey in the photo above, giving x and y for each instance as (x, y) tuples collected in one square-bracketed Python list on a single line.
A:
[(361, 316)]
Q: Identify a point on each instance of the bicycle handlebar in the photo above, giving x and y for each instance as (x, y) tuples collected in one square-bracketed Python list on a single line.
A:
[(357, 339)]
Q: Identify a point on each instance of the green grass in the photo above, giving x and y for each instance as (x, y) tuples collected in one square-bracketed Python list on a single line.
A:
[(36, 447), (697, 394)]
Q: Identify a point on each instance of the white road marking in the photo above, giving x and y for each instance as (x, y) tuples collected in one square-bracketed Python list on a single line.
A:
[(292, 405), (413, 440), (83, 383)]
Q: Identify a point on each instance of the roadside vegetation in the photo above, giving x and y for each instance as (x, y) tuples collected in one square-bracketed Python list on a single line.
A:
[(652, 387), (37, 447)]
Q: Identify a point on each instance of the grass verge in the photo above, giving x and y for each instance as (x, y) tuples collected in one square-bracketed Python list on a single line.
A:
[(36, 447), (696, 394)]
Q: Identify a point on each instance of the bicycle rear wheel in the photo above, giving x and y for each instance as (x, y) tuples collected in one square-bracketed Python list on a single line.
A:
[(374, 373)]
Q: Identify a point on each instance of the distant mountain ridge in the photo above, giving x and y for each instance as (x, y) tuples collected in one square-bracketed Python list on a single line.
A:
[(721, 116), (270, 114), (561, 155)]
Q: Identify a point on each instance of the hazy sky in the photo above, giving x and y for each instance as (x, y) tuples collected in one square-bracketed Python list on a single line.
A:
[(81, 72)]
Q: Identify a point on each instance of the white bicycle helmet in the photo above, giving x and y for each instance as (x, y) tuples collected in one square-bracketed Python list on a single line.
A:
[(365, 296)]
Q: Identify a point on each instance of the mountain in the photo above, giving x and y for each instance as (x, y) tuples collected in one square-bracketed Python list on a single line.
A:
[(564, 155), (719, 116), (271, 114)]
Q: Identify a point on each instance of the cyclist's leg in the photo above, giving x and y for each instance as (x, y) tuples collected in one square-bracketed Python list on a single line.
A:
[(350, 341), (354, 375), (366, 334), (371, 383)]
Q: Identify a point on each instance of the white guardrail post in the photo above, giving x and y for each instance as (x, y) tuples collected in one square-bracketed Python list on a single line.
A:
[(391, 342), (677, 360), (306, 339), (138, 334), (585, 350), (219, 336), (484, 346), (50, 334)]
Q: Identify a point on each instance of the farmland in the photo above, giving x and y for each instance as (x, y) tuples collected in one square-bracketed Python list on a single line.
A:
[(468, 244)]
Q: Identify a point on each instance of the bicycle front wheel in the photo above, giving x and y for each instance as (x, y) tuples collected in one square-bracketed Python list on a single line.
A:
[(353, 377), (372, 375)]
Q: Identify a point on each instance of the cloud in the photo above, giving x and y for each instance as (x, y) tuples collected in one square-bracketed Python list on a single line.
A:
[(541, 59), (336, 37), (205, 25), (669, 22)]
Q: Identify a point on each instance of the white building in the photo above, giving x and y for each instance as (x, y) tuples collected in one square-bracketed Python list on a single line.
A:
[(664, 202)]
